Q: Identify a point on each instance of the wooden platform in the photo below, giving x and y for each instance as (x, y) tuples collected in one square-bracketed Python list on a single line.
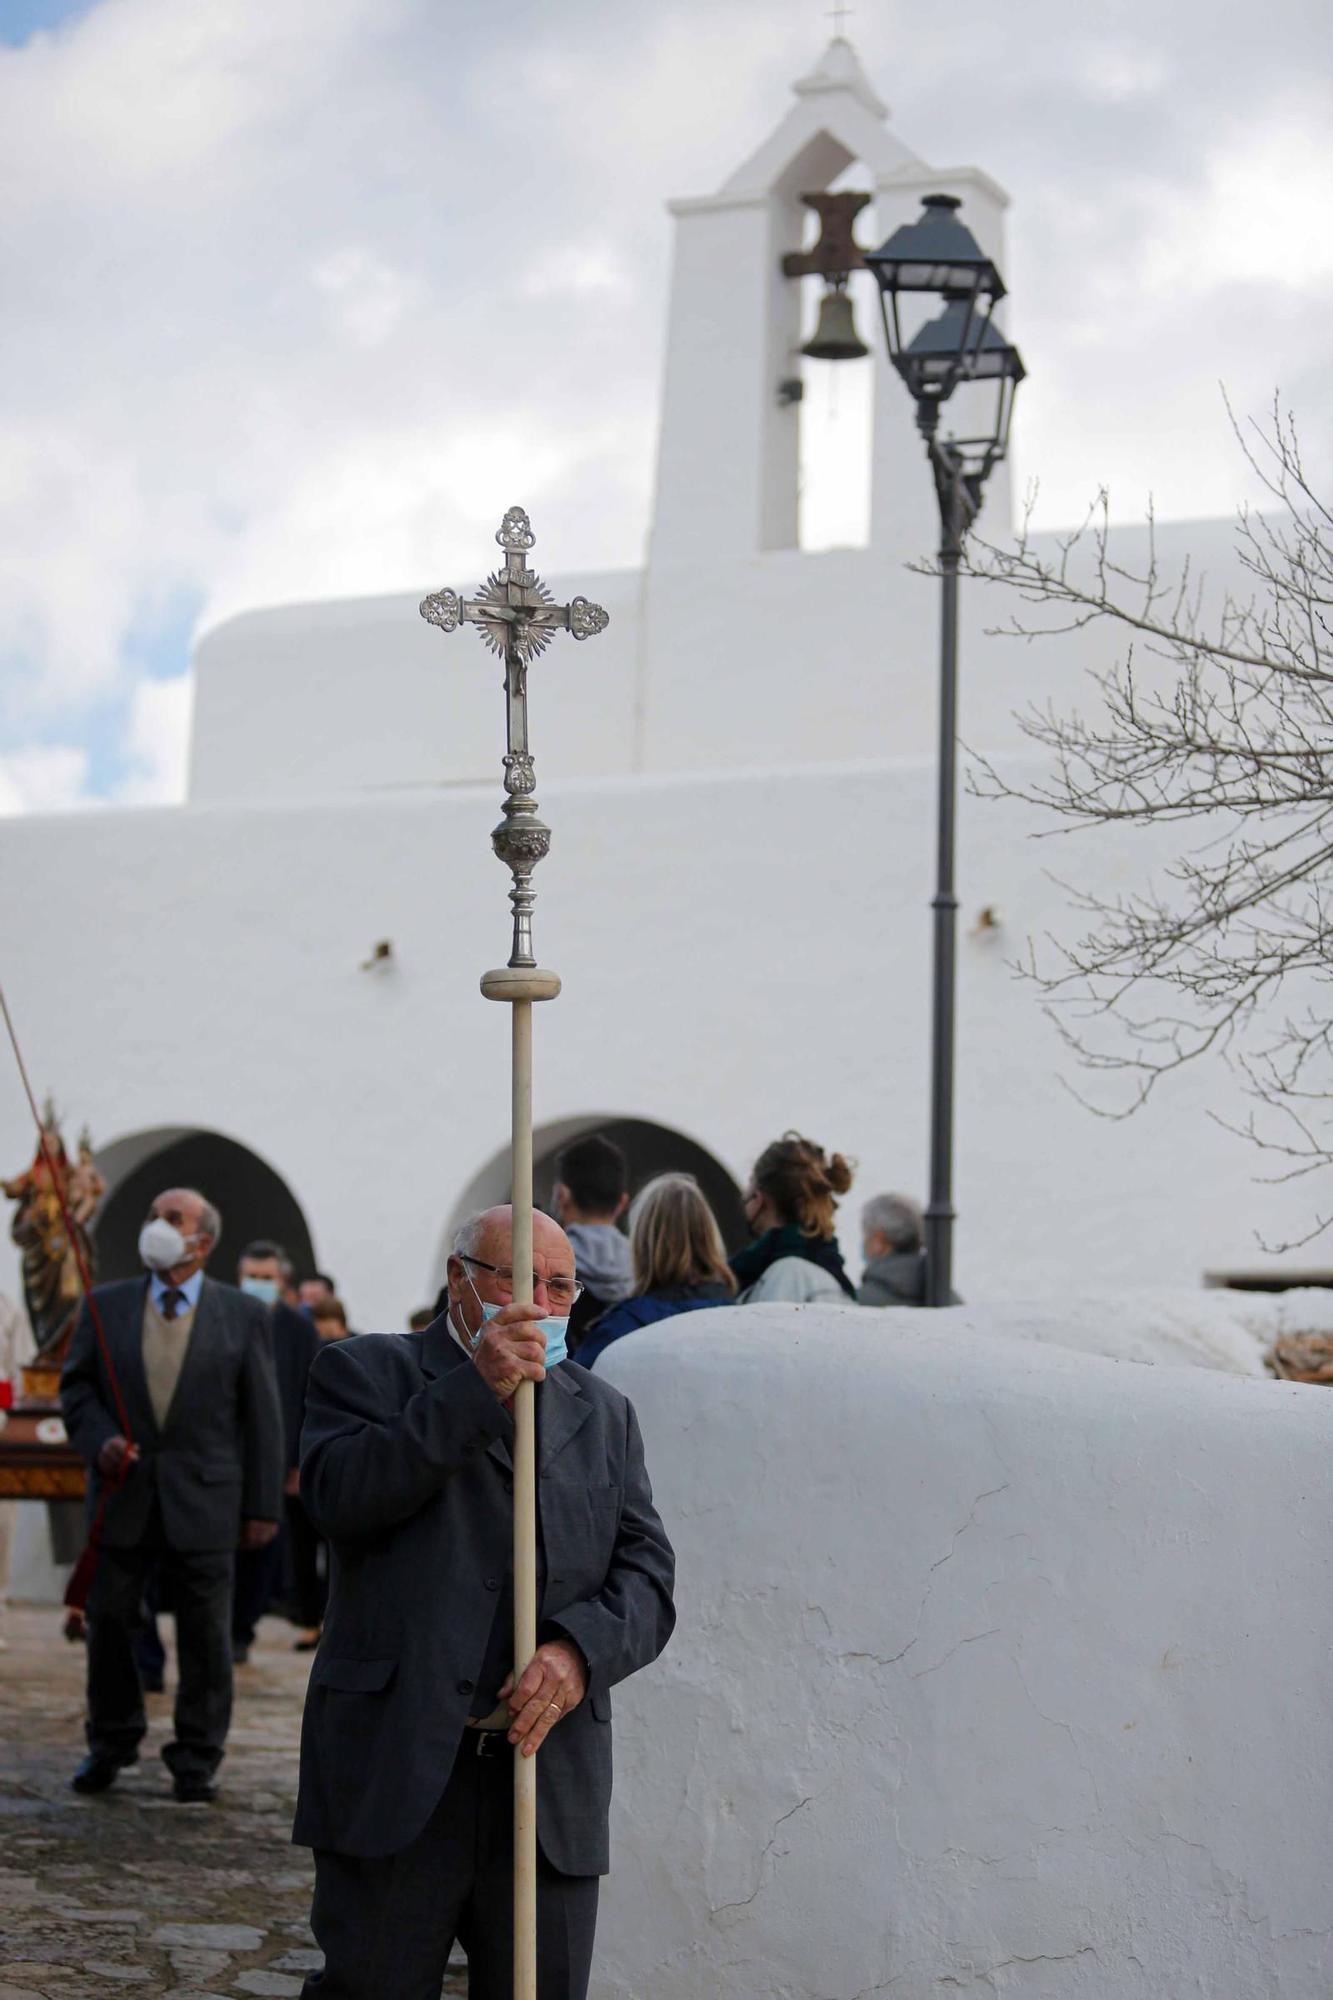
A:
[(37, 1460)]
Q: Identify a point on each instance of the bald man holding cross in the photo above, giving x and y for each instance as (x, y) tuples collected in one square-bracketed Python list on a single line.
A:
[(413, 1716)]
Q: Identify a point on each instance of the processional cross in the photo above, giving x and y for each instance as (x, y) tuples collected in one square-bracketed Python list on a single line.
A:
[(515, 614), (517, 618)]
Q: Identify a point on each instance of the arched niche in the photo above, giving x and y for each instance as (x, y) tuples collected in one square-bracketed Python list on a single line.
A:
[(649, 1148), (252, 1196)]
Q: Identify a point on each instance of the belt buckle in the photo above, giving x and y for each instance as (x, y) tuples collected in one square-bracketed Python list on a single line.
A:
[(489, 1741)]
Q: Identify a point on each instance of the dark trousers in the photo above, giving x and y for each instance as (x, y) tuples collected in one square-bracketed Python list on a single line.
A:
[(257, 1572), (199, 1591), (309, 1592), (386, 1927), (149, 1651)]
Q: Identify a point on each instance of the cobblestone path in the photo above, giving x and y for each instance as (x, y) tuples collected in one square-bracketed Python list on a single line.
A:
[(130, 1894)]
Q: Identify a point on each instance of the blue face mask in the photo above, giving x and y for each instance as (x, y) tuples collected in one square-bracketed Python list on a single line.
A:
[(264, 1289), (557, 1347)]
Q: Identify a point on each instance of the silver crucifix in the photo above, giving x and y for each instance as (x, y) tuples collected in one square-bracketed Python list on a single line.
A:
[(517, 619)]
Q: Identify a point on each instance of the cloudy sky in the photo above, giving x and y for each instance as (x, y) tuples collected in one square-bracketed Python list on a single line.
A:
[(297, 293)]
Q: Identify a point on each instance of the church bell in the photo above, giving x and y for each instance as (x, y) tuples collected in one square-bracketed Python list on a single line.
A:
[(835, 337)]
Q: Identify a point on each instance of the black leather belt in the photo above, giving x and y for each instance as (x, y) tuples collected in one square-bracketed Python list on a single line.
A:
[(489, 1742)]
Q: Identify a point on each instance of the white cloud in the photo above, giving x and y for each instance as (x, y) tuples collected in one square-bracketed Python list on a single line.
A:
[(1261, 217), (369, 296), (1117, 71), (46, 778), (582, 270)]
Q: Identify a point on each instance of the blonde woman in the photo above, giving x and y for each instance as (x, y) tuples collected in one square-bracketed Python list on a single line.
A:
[(679, 1262)]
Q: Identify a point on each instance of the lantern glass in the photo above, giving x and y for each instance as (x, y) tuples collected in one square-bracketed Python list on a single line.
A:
[(960, 345), (936, 253)]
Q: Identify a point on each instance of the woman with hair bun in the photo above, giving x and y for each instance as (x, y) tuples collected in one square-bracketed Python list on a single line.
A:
[(679, 1262), (790, 1205)]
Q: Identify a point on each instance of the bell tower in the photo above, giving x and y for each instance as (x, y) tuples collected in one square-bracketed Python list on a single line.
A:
[(729, 455)]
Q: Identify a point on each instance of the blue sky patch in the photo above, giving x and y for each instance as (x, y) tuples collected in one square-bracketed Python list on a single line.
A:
[(21, 19)]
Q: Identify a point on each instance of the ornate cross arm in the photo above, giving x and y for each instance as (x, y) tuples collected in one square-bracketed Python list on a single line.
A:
[(513, 608), (517, 618)]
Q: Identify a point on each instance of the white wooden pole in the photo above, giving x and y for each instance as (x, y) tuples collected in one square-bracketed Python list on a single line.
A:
[(520, 986), (525, 1516)]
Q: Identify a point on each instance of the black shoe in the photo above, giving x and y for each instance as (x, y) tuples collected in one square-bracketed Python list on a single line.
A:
[(153, 1683), (97, 1772), (194, 1791)]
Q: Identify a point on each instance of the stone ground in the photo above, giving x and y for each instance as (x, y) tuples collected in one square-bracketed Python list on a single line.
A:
[(130, 1893)]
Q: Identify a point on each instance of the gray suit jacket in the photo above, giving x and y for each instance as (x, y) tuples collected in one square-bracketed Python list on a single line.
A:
[(406, 1469), (219, 1457)]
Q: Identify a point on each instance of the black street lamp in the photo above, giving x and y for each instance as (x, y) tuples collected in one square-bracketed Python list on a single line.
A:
[(937, 255)]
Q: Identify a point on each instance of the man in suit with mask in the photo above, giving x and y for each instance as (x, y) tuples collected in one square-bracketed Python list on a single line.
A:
[(413, 1716), (194, 1368)]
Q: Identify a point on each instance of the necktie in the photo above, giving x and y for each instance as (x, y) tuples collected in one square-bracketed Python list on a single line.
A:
[(172, 1301)]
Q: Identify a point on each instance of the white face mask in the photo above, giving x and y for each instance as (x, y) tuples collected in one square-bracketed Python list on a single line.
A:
[(556, 1330), (161, 1245)]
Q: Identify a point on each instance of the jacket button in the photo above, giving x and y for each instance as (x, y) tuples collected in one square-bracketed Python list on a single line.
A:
[(509, 1486), (492, 1583), (467, 1687)]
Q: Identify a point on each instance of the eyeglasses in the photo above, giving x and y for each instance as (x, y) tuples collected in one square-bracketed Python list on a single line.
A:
[(560, 1291)]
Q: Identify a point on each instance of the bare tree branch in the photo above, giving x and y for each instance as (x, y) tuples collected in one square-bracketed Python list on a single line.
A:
[(1223, 725)]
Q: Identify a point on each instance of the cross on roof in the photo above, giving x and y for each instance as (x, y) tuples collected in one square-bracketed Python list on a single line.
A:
[(838, 15)]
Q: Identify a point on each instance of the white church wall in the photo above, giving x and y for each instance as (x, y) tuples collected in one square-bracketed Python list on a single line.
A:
[(781, 659), (741, 952), (33, 1577), (360, 694), (1016, 1687)]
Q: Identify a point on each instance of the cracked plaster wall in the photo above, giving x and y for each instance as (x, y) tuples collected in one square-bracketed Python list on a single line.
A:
[(1000, 1670)]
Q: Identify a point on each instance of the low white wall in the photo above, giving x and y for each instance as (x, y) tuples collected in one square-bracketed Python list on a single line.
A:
[(1177, 1325), (1000, 1670)]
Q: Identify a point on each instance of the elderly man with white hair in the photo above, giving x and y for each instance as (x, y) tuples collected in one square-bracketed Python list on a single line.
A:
[(414, 1711), (895, 1265), (187, 1368)]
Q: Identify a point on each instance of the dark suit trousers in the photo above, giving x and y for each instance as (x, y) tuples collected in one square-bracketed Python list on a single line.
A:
[(256, 1582), (386, 1927), (199, 1591), (309, 1592)]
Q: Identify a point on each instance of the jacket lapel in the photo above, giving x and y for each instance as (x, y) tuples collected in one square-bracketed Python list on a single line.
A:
[(126, 1343), (564, 1409), (439, 1351), (440, 1354)]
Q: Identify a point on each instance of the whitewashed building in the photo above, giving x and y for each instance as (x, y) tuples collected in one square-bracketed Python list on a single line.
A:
[(1018, 1695), (739, 776)]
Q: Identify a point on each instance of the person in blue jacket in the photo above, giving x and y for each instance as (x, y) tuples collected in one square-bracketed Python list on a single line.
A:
[(679, 1260)]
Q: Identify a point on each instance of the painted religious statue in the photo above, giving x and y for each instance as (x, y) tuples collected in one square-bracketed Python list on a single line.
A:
[(52, 1288)]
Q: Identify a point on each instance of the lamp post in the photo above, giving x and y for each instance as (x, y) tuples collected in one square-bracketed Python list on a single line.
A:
[(938, 256)]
